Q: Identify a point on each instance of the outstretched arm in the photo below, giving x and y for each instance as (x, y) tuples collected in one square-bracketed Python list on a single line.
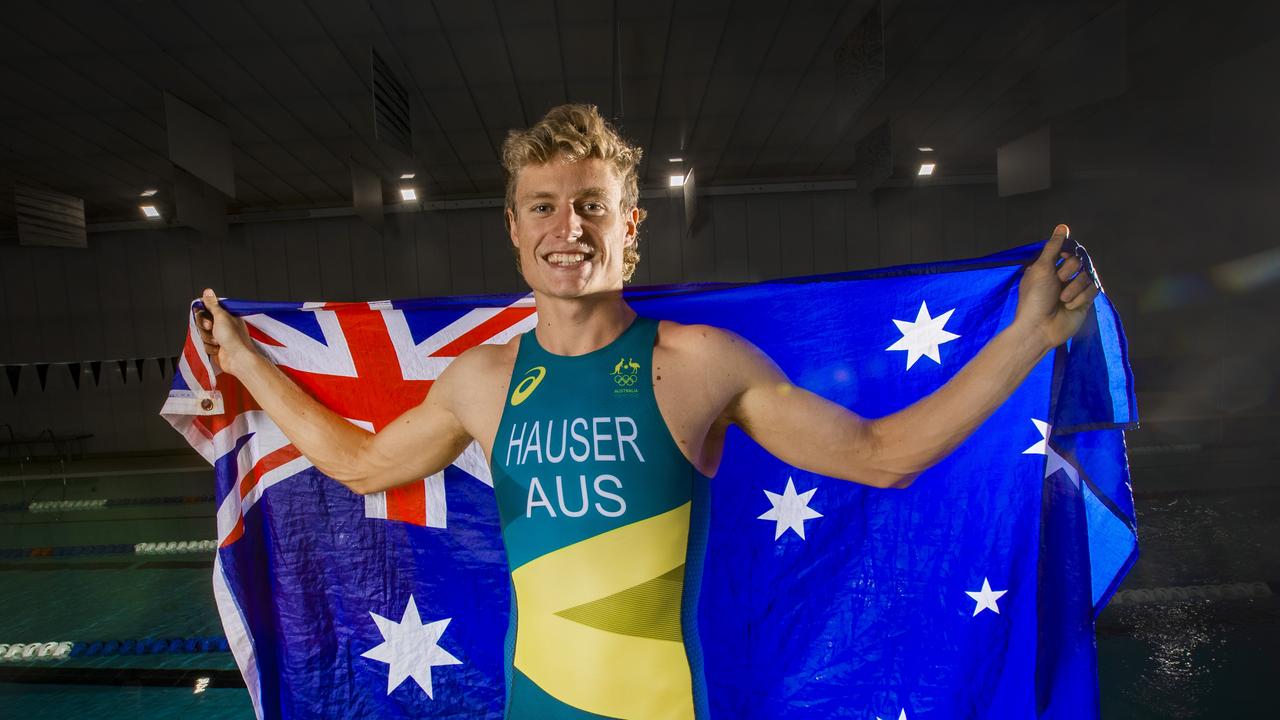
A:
[(420, 442), (813, 433)]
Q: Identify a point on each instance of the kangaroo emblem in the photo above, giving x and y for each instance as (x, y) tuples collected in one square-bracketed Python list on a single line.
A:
[(626, 372)]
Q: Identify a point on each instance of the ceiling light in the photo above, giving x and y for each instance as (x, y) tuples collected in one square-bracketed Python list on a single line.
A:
[(407, 176), (675, 160), (408, 194), (925, 149), (150, 211), (147, 193), (925, 169), (676, 181)]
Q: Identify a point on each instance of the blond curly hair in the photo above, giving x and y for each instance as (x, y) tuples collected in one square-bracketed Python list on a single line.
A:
[(577, 132)]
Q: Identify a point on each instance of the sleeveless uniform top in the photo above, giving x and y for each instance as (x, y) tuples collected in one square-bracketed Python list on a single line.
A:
[(604, 522)]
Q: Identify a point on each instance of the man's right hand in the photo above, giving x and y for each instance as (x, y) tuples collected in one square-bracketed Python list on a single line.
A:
[(225, 337), (418, 444)]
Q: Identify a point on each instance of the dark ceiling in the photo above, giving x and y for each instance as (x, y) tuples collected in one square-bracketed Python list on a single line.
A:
[(740, 90)]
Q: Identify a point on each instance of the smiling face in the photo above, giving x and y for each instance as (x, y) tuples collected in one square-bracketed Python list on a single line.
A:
[(569, 228)]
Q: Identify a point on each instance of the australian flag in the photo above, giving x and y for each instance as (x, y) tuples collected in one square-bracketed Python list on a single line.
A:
[(970, 594)]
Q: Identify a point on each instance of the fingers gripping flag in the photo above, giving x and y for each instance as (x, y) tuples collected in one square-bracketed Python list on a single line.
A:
[(969, 594)]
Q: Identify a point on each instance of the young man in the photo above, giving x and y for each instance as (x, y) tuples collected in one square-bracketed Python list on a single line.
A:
[(602, 428)]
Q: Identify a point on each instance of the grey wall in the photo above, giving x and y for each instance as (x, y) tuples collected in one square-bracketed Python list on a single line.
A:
[(126, 296), (1164, 185)]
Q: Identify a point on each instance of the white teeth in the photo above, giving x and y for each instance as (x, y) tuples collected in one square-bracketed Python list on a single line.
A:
[(565, 258)]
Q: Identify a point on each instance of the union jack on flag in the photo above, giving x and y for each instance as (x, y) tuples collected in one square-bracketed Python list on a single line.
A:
[(392, 372), (369, 363), (969, 594)]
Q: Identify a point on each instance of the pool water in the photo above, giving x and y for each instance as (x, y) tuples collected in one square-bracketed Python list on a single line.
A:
[(1191, 660), (23, 700), (1164, 661)]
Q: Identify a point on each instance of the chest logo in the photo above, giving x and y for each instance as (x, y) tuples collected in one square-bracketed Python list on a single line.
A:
[(626, 372), (528, 384)]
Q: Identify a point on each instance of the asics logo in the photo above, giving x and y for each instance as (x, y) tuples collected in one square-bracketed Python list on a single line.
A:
[(528, 384)]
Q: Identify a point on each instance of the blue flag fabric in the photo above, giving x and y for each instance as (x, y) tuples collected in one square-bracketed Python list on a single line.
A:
[(971, 593)]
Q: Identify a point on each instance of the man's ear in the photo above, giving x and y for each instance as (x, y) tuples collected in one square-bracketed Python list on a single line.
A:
[(632, 219), (511, 226)]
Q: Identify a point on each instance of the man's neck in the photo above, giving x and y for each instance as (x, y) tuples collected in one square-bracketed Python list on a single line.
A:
[(580, 325)]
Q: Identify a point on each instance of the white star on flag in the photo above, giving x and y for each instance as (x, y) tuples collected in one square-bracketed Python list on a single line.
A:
[(922, 337), (410, 648), (790, 510), (1053, 461), (986, 598), (901, 716)]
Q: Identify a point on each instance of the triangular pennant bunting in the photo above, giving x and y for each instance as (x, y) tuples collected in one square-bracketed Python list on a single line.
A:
[(15, 374)]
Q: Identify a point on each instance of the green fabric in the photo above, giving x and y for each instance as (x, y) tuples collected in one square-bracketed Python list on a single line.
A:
[(530, 701), (582, 450), (574, 416)]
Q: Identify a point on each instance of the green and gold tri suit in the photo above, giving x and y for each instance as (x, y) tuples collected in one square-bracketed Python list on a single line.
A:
[(604, 522)]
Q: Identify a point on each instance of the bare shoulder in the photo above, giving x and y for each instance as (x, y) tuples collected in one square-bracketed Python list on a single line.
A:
[(700, 374), (486, 358), (719, 361), (694, 336), (707, 341), (479, 371), (473, 388)]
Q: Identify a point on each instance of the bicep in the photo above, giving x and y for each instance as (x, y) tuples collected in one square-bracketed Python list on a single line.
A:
[(797, 426), (419, 443), (426, 439)]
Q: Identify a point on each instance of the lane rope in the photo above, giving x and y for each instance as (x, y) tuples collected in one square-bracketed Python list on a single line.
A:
[(1192, 593), (56, 506), (60, 650), (170, 547)]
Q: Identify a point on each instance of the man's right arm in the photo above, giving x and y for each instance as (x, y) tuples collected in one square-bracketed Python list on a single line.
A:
[(419, 443)]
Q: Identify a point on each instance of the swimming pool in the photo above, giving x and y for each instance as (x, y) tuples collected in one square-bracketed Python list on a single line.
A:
[(1158, 658)]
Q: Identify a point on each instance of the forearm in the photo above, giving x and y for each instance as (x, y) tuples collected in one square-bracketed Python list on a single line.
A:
[(1054, 299), (332, 444), (913, 439)]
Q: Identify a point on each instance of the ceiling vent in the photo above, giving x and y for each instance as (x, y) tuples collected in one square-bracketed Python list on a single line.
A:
[(390, 105), (860, 58), (873, 158), (49, 218)]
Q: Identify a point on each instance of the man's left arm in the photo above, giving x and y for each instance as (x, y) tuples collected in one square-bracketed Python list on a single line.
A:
[(812, 433)]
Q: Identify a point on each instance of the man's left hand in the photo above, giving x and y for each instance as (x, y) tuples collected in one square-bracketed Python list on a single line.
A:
[(1056, 292)]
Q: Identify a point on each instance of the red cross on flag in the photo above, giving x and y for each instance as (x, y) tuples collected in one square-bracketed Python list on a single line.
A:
[(362, 361)]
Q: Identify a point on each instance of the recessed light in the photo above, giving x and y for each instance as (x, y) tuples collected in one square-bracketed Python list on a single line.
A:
[(150, 211), (408, 176), (147, 193), (675, 160), (408, 194), (675, 181), (925, 169), (925, 149)]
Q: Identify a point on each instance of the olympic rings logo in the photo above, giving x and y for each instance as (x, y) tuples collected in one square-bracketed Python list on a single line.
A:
[(626, 372)]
